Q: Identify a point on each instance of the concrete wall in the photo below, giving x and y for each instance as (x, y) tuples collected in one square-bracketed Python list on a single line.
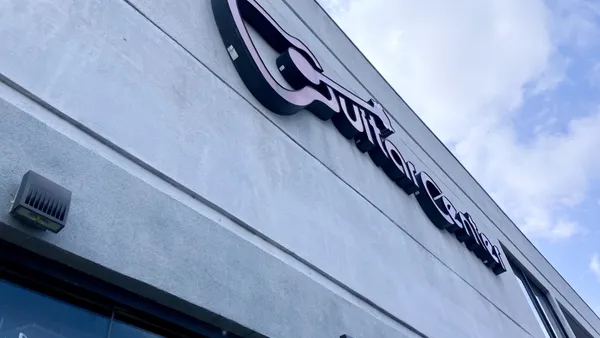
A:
[(184, 182)]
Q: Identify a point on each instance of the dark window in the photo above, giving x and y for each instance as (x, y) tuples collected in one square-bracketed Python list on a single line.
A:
[(540, 305), (26, 313), (124, 330), (40, 298), (577, 328)]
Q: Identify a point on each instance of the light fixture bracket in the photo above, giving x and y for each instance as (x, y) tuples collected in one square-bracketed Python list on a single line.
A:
[(41, 203)]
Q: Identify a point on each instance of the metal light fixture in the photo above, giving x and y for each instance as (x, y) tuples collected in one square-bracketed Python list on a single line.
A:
[(41, 203)]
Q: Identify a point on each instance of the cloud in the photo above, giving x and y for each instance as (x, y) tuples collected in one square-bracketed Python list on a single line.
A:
[(595, 265), (594, 75), (466, 67), (576, 21)]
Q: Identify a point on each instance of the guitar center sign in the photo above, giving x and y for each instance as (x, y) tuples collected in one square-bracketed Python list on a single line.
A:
[(364, 122)]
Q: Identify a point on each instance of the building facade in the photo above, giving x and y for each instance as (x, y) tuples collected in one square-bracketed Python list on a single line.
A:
[(238, 168)]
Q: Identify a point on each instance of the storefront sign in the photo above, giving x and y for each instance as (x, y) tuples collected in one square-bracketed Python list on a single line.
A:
[(365, 122)]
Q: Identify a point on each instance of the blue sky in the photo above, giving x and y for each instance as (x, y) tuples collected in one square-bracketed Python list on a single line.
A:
[(513, 88), (577, 95)]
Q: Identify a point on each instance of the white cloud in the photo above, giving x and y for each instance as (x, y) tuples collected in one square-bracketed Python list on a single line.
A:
[(465, 67), (576, 21), (594, 75), (595, 265)]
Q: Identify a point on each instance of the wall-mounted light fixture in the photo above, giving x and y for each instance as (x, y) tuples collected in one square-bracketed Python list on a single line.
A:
[(41, 203)]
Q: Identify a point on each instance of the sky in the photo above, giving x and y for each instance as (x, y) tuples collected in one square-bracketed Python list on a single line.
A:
[(512, 87)]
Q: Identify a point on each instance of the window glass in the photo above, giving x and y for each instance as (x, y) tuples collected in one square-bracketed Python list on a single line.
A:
[(549, 313), (577, 328), (533, 308), (541, 306), (28, 314), (123, 330)]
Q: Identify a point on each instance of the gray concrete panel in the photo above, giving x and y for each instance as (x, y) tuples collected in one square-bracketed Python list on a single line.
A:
[(435, 241), (353, 167), (157, 135), (129, 228), (137, 131), (524, 250), (181, 126)]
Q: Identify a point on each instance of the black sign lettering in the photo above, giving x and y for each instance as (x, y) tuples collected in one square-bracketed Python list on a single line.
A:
[(431, 199), (365, 122), (349, 123), (364, 140), (463, 233), (499, 267), (393, 163)]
